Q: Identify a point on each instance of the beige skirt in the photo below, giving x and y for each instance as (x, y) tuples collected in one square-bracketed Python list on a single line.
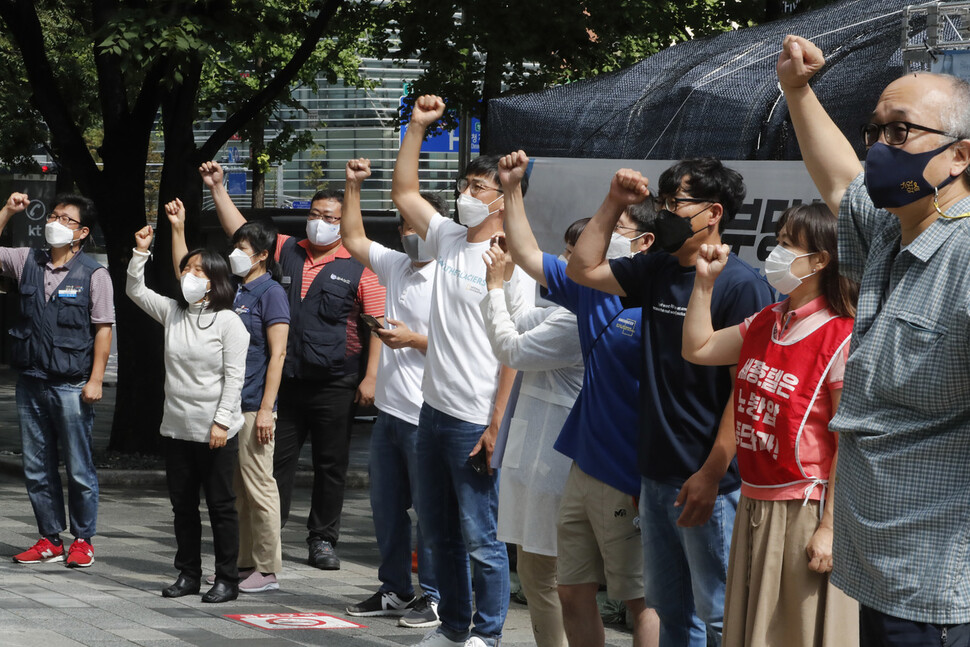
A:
[(773, 599)]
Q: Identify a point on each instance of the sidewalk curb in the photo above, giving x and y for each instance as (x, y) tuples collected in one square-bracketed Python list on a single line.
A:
[(12, 465)]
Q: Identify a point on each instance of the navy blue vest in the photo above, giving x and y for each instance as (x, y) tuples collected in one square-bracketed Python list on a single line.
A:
[(55, 339), (316, 348)]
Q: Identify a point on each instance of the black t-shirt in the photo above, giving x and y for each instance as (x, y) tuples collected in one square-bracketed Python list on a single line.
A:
[(681, 403)]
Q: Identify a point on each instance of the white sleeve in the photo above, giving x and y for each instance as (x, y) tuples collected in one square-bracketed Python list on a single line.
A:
[(155, 305), (235, 345), (383, 261), (553, 342), (438, 226)]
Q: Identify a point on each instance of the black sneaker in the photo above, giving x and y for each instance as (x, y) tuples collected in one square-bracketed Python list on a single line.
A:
[(382, 603), (423, 613), (322, 555)]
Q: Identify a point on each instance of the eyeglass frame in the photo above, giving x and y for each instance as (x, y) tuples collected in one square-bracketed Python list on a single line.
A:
[(330, 220), (665, 202), (882, 132), (61, 218), (463, 183)]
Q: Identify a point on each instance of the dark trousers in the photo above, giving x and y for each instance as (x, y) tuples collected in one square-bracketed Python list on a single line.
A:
[(188, 466), (878, 629), (323, 411)]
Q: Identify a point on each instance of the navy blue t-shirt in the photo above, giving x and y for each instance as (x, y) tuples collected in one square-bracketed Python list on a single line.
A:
[(259, 304), (600, 434), (681, 403)]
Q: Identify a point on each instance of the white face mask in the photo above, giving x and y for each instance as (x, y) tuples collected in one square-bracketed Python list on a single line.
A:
[(57, 235), (240, 263), (322, 233), (472, 211), (414, 248), (194, 287), (778, 269), (619, 246)]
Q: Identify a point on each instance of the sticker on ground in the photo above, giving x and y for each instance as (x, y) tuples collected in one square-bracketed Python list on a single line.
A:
[(294, 621)]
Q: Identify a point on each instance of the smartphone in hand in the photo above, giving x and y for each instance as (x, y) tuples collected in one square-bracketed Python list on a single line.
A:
[(371, 322), (479, 462)]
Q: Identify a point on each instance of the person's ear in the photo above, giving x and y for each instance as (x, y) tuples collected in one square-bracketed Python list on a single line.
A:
[(84, 231), (961, 158), (716, 211), (821, 261), (646, 242)]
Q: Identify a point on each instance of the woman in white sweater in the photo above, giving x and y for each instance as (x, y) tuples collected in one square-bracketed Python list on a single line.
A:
[(205, 361)]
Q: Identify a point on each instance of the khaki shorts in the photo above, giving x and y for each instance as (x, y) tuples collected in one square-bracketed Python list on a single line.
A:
[(597, 539)]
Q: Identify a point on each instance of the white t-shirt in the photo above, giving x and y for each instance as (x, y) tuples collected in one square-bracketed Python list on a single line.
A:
[(408, 299), (461, 372)]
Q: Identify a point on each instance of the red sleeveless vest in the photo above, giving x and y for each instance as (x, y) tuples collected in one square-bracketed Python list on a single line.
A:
[(776, 386)]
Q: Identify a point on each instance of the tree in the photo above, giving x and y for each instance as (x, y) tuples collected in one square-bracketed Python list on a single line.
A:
[(117, 65), (475, 50)]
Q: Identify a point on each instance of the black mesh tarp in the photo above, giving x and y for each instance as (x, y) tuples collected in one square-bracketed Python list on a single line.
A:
[(717, 96)]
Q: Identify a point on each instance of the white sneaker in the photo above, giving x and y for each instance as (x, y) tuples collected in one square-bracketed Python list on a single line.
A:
[(435, 638), (475, 641)]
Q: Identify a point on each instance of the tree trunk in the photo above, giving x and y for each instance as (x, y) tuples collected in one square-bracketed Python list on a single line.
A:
[(491, 88), (257, 144)]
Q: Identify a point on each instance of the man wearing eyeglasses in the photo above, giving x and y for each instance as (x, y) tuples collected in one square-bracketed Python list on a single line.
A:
[(61, 342), (327, 350), (689, 482), (465, 393), (902, 510)]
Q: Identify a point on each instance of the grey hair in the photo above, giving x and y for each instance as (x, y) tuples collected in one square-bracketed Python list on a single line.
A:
[(955, 116)]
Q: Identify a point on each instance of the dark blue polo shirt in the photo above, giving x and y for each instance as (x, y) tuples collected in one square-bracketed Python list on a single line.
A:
[(260, 303)]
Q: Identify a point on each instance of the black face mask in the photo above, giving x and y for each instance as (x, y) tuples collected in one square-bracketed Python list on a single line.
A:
[(672, 231)]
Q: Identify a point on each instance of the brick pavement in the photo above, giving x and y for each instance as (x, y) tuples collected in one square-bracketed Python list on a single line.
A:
[(117, 601)]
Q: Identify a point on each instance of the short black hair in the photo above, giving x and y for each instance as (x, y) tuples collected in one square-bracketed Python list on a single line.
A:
[(487, 166), (644, 214), (707, 178), (221, 291), (328, 194), (85, 206), (575, 230), (261, 236)]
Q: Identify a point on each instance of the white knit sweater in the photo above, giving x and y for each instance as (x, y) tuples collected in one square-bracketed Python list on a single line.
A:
[(204, 366)]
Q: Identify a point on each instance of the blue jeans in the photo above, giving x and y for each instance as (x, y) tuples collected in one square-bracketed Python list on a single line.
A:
[(458, 509), (52, 417), (685, 569), (393, 486)]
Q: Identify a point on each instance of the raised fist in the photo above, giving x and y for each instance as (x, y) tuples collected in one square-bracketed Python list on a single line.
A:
[(358, 170), (175, 211), (428, 109), (798, 62), (143, 238), (511, 169), (211, 174), (711, 260), (629, 187), (17, 202)]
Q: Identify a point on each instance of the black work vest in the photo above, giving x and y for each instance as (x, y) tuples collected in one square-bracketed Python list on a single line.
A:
[(316, 348), (55, 339)]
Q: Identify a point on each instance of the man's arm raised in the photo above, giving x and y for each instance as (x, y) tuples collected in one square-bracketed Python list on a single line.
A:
[(228, 214), (16, 203), (352, 232), (827, 153), (588, 264), (518, 234), (405, 187)]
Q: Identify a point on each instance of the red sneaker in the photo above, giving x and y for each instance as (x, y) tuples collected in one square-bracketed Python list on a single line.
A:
[(81, 554), (41, 552)]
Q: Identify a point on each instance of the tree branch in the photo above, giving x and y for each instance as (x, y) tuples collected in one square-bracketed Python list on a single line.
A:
[(23, 26), (276, 85)]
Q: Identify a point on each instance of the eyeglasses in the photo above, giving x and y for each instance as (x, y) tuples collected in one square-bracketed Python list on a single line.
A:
[(673, 204), (313, 215), (896, 132), (476, 186), (618, 228), (63, 219)]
